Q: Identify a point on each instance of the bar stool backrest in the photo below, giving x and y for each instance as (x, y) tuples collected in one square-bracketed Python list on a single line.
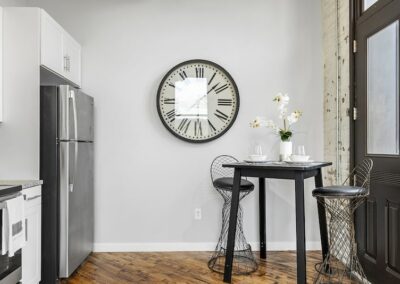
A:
[(361, 175), (217, 171)]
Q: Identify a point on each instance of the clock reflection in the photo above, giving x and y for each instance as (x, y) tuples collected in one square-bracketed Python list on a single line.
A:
[(191, 102)]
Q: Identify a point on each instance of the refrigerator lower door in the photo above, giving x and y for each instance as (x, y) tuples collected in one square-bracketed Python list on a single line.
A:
[(76, 205), (75, 114)]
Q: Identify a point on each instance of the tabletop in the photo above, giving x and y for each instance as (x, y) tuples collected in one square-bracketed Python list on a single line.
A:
[(275, 165)]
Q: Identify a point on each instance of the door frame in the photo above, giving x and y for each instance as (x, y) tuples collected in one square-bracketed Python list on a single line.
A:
[(356, 14), (356, 17), (353, 8)]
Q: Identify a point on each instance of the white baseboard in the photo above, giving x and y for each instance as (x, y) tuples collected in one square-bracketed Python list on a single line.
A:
[(164, 247)]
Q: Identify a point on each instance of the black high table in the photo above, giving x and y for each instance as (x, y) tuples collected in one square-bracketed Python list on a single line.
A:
[(277, 170)]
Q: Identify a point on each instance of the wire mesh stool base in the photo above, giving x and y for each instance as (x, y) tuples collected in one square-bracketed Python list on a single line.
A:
[(342, 259), (332, 270), (243, 260)]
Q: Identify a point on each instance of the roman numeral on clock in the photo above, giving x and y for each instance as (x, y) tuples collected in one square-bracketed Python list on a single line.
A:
[(199, 72), (212, 78), (213, 87), (169, 101), (183, 75), (222, 116), (198, 131), (211, 126), (222, 88), (187, 126), (171, 115), (183, 123), (224, 102)]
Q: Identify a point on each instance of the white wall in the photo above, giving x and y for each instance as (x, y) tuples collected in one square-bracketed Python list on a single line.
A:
[(147, 181)]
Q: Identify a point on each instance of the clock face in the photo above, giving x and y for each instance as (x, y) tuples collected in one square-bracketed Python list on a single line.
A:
[(198, 101)]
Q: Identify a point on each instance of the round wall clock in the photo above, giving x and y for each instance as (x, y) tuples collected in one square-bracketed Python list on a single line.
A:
[(198, 101)]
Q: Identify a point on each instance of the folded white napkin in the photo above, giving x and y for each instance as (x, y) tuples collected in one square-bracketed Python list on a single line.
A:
[(13, 226)]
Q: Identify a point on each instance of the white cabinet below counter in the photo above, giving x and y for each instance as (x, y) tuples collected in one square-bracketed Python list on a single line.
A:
[(59, 52), (31, 253)]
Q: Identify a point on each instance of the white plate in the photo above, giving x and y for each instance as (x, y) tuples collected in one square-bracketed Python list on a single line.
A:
[(298, 162), (251, 161)]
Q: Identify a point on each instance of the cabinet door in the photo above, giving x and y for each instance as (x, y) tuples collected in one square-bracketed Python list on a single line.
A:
[(72, 56), (51, 51), (31, 253), (1, 64)]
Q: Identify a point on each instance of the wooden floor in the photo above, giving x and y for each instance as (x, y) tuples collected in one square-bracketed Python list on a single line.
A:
[(183, 267)]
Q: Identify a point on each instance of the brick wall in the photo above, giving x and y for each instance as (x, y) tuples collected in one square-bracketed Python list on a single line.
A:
[(335, 14)]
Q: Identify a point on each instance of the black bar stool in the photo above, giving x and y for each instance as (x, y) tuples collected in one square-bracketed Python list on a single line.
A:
[(243, 259), (340, 203)]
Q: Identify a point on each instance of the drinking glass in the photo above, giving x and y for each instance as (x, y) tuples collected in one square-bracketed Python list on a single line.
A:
[(258, 150), (301, 150)]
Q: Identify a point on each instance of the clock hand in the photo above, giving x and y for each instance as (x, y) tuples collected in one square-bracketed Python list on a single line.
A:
[(213, 87), (197, 102)]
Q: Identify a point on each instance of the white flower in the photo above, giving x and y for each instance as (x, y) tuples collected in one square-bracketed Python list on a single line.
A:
[(294, 117), (282, 112), (282, 100), (256, 123), (270, 124)]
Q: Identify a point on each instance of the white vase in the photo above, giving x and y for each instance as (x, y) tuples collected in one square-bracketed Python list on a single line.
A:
[(285, 150)]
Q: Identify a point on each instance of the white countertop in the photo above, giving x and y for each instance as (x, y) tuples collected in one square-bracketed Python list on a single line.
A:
[(23, 183)]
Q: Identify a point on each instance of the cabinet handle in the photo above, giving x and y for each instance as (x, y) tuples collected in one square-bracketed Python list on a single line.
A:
[(32, 198), (66, 63), (26, 230), (69, 64)]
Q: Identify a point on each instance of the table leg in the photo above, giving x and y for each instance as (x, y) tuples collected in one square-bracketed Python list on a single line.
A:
[(232, 226), (263, 234), (322, 219), (300, 229)]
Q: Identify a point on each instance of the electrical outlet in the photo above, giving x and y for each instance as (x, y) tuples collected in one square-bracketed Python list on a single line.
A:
[(197, 214)]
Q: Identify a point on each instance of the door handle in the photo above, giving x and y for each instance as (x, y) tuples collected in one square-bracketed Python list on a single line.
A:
[(31, 198), (26, 230), (65, 63), (68, 64), (75, 117), (75, 163), (74, 113)]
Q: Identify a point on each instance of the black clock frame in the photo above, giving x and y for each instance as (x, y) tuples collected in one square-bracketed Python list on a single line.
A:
[(198, 61)]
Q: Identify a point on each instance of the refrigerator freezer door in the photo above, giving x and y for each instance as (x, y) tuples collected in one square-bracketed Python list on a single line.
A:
[(75, 115), (76, 205)]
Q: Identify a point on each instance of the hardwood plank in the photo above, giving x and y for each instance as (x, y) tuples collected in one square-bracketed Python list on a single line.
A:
[(184, 267)]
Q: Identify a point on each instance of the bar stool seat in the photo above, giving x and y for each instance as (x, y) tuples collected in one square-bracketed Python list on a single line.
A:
[(226, 183), (336, 191)]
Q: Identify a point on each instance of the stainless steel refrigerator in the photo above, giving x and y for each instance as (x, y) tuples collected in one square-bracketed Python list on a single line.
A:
[(66, 167)]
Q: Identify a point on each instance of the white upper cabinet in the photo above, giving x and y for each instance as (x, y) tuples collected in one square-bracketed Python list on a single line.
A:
[(1, 64), (59, 52), (51, 52), (72, 59)]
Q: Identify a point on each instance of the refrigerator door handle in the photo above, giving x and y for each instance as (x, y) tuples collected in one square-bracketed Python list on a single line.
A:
[(64, 205), (75, 163), (75, 115)]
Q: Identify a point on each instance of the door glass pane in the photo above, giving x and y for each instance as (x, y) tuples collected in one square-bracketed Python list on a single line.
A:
[(383, 91), (368, 3)]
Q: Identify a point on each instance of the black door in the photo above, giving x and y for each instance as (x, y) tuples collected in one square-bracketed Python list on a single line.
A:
[(376, 135)]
